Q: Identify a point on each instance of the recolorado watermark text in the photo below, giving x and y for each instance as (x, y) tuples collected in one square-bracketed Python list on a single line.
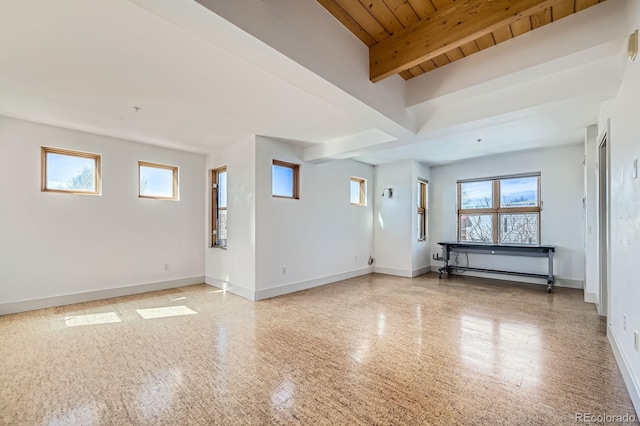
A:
[(605, 418)]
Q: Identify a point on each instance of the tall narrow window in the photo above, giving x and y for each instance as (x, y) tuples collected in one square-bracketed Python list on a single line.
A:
[(70, 171), (159, 181), (500, 210), (219, 207), (285, 180), (358, 191), (422, 209)]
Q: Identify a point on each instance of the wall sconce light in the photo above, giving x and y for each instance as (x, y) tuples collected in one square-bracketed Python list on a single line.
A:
[(632, 46), (390, 190)]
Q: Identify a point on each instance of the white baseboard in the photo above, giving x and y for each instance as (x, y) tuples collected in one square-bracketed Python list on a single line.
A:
[(69, 299), (420, 271), (590, 297), (392, 271), (303, 285), (625, 368), (226, 286), (401, 272)]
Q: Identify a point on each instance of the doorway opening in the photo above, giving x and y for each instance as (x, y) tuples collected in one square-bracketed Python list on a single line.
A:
[(603, 225)]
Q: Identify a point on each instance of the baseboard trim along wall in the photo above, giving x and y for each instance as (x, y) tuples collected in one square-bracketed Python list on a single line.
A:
[(627, 374), (590, 297), (304, 285), (234, 289), (89, 296), (407, 273)]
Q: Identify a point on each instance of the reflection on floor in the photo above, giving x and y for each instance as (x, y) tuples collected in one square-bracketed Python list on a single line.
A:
[(370, 350)]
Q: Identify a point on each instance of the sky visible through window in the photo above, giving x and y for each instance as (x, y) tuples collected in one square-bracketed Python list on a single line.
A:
[(156, 182), (222, 189), (355, 192), (519, 192), (62, 169), (476, 195), (282, 184)]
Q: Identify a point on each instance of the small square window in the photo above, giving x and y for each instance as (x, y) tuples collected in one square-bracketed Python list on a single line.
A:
[(158, 181), (285, 180), (358, 191), (74, 172)]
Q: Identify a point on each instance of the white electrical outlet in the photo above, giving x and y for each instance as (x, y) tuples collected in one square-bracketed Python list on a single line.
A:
[(635, 340), (284, 271), (166, 266), (356, 258), (624, 322)]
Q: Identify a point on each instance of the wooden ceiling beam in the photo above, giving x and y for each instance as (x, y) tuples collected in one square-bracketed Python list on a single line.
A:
[(445, 30)]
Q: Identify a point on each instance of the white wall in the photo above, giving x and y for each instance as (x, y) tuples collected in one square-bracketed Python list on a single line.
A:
[(234, 268), (392, 218), (561, 218), (397, 250), (56, 244), (319, 238), (625, 217)]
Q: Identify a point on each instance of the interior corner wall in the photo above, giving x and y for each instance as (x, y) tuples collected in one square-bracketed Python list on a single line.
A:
[(393, 218), (624, 249), (58, 248), (234, 268), (317, 239), (561, 217)]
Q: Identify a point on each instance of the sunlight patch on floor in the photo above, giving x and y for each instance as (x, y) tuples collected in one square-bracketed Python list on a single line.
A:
[(91, 319), (167, 311)]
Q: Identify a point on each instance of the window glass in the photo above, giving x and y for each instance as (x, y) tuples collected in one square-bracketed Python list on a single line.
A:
[(70, 171), (285, 179), (519, 228), (67, 172), (222, 189), (157, 182), (519, 192), (355, 192), (476, 227), (476, 195)]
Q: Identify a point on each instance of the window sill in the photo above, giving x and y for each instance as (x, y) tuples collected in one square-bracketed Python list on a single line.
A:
[(219, 247)]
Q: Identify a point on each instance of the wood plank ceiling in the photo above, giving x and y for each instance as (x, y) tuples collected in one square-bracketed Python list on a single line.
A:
[(400, 23)]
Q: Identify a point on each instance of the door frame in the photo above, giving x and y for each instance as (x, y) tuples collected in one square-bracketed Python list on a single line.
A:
[(604, 221)]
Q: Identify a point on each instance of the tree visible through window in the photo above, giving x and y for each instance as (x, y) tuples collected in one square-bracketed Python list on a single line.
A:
[(500, 210), (70, 171)]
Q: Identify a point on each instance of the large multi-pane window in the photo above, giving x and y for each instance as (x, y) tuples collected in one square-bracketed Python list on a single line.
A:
[(500, 210), (219, 207)]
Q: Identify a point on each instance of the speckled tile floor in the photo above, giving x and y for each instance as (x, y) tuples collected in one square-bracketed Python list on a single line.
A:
[(372, 350)]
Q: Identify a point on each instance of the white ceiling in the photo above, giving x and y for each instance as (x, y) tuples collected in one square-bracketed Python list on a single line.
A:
[(205, 79), (85, 64)]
